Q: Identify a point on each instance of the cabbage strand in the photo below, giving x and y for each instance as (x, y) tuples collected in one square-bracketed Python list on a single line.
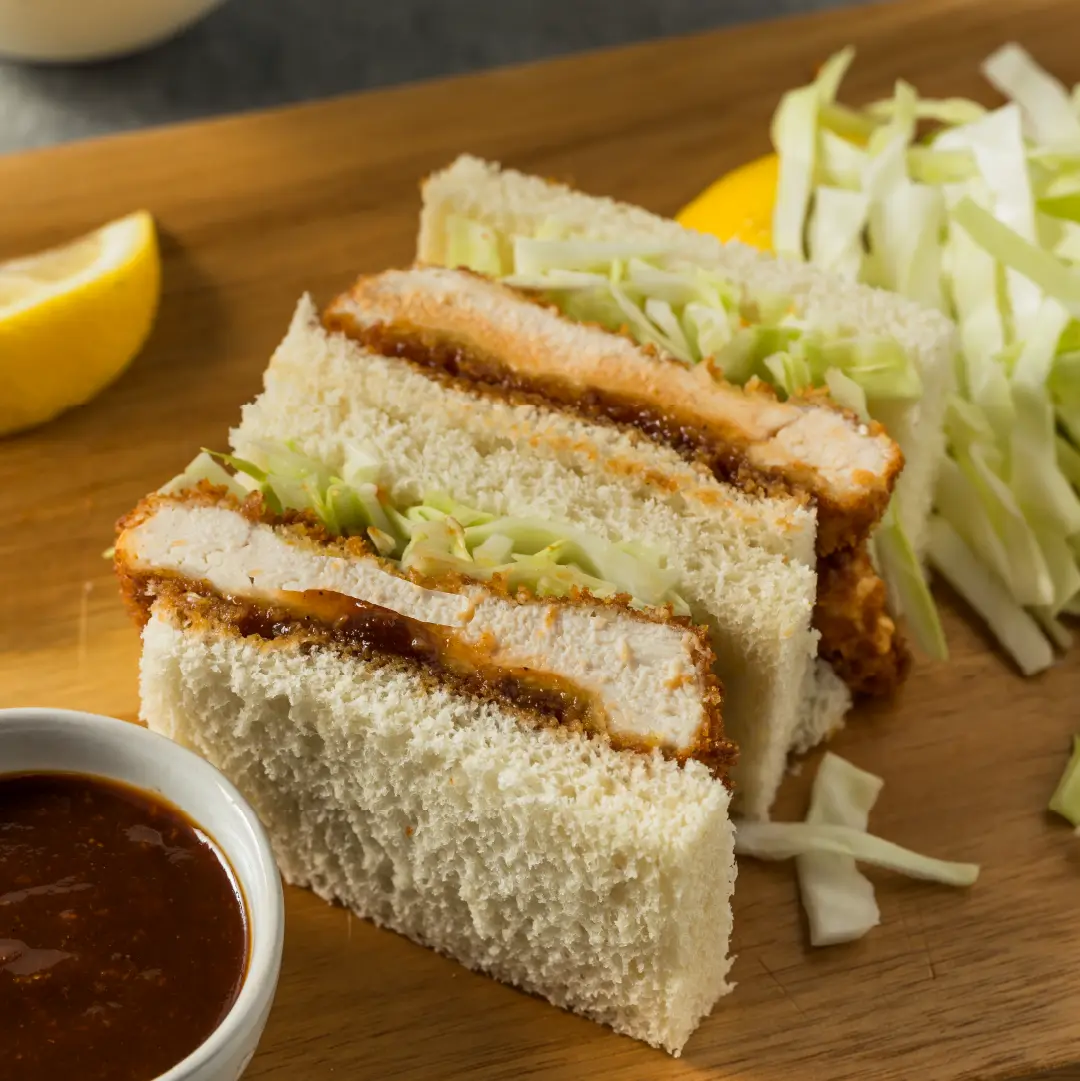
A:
[(438, 535)]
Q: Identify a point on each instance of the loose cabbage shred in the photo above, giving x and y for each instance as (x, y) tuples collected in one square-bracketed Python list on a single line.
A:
[(1066, 798), (783, 840), (839, 901)]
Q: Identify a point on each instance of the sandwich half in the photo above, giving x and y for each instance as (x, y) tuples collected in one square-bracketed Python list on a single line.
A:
[(521, 767), (729, 311), (530, 484)]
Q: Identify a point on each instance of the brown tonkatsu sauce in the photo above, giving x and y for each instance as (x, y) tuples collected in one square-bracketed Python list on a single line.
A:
[(123, 938), (367, 628)]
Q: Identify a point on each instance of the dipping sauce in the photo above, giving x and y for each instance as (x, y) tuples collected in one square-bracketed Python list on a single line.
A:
[(123, 937)]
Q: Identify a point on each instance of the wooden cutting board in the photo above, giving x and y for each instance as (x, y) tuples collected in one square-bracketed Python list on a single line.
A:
[(253, 211)]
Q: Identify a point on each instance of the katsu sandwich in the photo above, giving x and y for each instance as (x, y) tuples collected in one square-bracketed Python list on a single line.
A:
[(470, 719), (495, 574)]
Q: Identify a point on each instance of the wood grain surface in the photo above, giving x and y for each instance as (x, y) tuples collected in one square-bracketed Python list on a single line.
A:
[(253, 211)]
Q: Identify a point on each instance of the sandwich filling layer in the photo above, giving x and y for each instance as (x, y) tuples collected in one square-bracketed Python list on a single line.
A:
[(459, 325), (597, 878), (782, 320), (641, 678), (489, 333)]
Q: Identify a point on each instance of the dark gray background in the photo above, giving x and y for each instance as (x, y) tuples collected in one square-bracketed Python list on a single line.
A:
[(253, 53)]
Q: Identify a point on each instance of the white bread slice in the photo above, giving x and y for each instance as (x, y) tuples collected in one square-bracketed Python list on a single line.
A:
[(807, 445), (599, 879), (826, 701), (743, 563), (516, 204), (651, 678)]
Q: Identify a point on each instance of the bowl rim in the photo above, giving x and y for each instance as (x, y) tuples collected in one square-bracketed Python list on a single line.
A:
[(265, 902)]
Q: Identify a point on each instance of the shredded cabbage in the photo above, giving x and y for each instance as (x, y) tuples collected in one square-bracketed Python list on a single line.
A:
[(793, 129), (204, 467), (838, 899), (979, 216), (1015, 629), (997, 145), (1039, 267), (1061, 236), (1044, 492), (784, 840), (947, 110), (959, 504), (847, 393), (940, 167), (840, 160), (794, 136), (468, 243), (899, 129), (1048, 113), (909, 592), (1024, 568), (1035, 360), (440, 535), (971, 278), (1055, 630), (835, 238), (840, 120), (906, 227), (691, 313), (1066, 798), (1068, 460)]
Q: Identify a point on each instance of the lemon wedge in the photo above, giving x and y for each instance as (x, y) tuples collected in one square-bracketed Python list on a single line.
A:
[(73, 318), (738, 206)]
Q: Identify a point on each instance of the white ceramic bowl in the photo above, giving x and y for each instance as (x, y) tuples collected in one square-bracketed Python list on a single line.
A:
[(42, 740), (79, 30)]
